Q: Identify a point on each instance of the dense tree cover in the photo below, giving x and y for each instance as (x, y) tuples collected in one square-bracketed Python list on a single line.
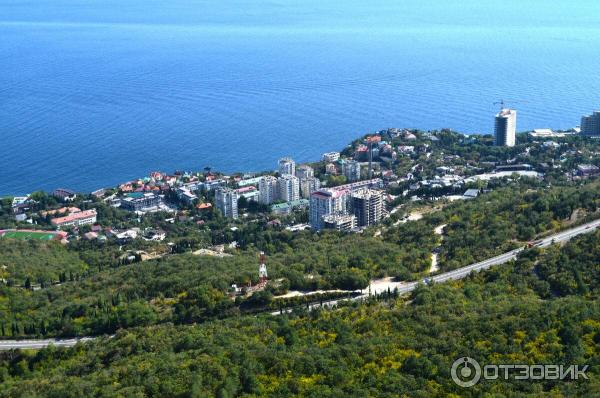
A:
[(187, 288), (509, 217), (572, 269), (475, 154), (100, 295), (37, 262), (400, 347), (501, 220), (6, 218)]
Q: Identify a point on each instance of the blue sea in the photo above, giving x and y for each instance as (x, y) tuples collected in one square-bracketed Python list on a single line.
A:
[(96, 92)]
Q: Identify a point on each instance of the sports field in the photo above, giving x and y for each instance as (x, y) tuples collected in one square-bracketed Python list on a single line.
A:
[(25, 235)]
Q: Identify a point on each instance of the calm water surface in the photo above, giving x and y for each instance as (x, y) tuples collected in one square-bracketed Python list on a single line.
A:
[(94, 92)]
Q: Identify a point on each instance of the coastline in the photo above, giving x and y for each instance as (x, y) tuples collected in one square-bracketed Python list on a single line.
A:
[(225, 171)]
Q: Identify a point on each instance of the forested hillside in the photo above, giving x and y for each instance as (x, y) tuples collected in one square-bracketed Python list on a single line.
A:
[(543, 308), (36, 262), (87, 289)]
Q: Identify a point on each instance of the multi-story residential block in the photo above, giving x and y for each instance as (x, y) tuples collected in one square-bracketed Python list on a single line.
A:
[(249, 181), (141, 202), (308, 186), (505, 127), (340, 222), (338, 200), (288, 187), (85, 217), (210, 185), (287, 208), (326, 202), (330, 169), (330, 156), (351, 169), (186, 195), (372, 183), (590, 124), (226, 200), (267, 187), (287, 166), (304, 171), (249, 192), (367, 206)]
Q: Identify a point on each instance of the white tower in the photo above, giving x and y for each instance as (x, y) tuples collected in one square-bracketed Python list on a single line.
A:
[(262, 269)]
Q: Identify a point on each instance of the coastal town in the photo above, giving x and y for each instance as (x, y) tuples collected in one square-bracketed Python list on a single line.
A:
[(395, 217), (300, 199), (347, 191)]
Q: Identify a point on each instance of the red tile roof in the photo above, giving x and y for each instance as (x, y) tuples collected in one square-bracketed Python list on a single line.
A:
[(73, 217)]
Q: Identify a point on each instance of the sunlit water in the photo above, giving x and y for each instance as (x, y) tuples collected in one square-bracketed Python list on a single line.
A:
[(94, 92)]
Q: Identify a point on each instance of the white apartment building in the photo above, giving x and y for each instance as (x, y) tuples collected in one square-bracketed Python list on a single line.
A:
[(351, 169), (339, 222), (288, 187), (308, 186), (304, 171), (226, 200), (267, 187), (287, 166), (327, 202), (330, 156)]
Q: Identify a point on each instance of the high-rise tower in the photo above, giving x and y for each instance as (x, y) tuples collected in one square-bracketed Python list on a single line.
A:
[(505, 127)]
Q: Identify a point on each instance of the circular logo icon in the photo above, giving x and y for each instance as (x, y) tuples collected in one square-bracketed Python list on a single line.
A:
[(466, 372)]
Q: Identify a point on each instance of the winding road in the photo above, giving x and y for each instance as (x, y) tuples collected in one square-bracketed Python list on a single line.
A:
[(35, 344), (407, 287), (403, 287)]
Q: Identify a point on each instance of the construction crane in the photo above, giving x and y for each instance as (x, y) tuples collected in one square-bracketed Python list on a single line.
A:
[(502, 103), (370, 141)]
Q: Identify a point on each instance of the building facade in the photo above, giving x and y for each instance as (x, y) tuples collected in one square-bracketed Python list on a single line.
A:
[(76, 219), (288, 187), (330, 156), (226, 200), (267, 187), (289, 207), (141, 201), (367, 206), (308, 186), (339, 222), (249, 192), (305, 171), (330, 169), (505, 127), (64, 194), (326, 202), (590, 124), (351, 169), (287, 166), (186, 195)]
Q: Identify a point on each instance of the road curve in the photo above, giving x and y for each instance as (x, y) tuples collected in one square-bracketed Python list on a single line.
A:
[(36, 344), (402, 287), (407, 287)]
